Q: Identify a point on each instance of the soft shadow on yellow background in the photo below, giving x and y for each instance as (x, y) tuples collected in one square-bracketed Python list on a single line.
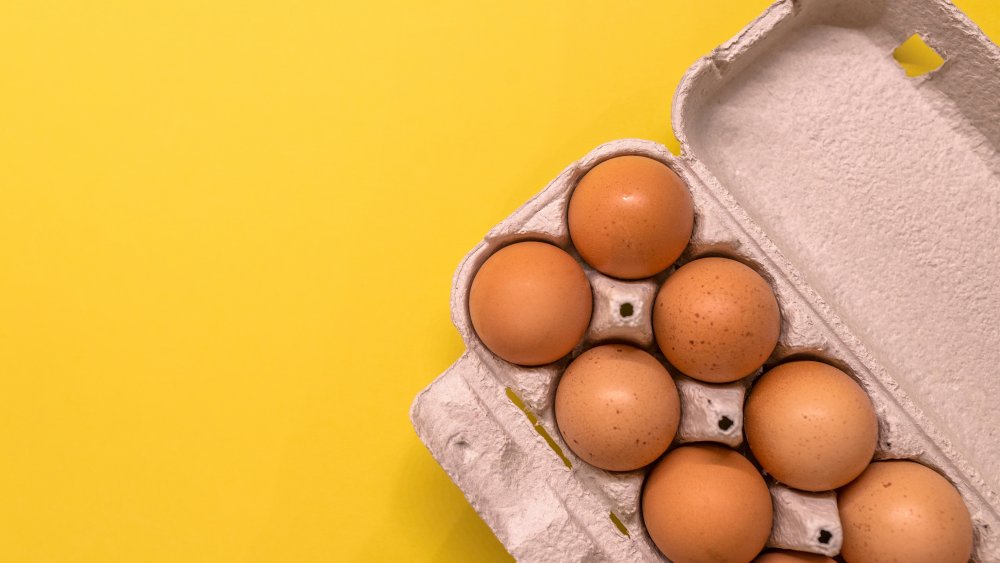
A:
[(227, 235)]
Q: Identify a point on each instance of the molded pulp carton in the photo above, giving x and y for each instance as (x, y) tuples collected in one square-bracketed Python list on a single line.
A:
[(871, 202)]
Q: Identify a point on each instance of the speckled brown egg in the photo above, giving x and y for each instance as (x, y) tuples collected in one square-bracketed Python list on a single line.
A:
[(903, 511), (706, 503), (810, 425), (617, 407), (786, 556), (530, 303), (630, 217), (716, 320)]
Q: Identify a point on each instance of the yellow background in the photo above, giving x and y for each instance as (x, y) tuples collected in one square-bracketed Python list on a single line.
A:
[(227, 235)]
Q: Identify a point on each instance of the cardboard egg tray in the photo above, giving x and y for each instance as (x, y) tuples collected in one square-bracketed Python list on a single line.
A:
[(870, 201)]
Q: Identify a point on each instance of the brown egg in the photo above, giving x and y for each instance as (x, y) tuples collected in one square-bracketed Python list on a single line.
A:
[(716, 320), (630, 217), (706, 503), (785, 556), (810, 425), (617, 407), (903, 511), (530, 303)]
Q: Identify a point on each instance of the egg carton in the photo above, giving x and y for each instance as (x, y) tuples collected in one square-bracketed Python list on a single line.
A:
[(869, 200)]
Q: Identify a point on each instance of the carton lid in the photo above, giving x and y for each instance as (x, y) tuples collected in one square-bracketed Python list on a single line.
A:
[(881, 190)]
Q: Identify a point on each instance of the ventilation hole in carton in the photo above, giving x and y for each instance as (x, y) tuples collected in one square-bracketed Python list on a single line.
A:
[(618, 524), (916, 57), (626, 310), (552, 444), (825, 537), (725, 423), (537, 425)]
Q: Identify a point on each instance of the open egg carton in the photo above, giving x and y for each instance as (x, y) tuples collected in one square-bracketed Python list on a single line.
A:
[(870, 201)]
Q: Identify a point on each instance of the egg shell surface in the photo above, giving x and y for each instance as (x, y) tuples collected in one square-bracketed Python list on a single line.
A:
[(716, 319), (786, 556), (630, 217), (530, 303), (810, 425), (617, 407), (707, 503), (903, 511)]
